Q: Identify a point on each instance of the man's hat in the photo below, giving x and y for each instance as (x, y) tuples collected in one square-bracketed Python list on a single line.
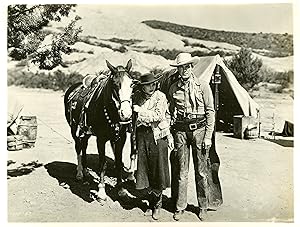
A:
[(149, 78), (183, 59)]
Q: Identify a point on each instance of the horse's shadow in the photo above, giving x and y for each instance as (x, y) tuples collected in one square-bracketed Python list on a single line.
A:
[(65, 173)]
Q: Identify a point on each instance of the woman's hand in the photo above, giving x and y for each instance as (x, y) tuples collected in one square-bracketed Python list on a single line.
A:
[(136, 108)]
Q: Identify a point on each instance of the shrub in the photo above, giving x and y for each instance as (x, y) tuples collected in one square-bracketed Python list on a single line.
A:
[(56, 81), (285, 79), (187, 43), (245, 68), (168, 54)]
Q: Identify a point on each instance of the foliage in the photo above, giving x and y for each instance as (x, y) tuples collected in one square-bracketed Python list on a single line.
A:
[(168, 54), (211, 53), (285, 79), (277, 44), (188, 43), (25, 33), (156, 70), (171, 54), (245, 68), (126, 42), (56, 81)]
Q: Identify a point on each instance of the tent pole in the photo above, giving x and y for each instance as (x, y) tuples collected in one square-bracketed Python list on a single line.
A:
[(216, 81), (259, 123)]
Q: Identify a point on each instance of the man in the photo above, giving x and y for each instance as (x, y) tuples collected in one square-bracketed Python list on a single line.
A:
[(191, 102)]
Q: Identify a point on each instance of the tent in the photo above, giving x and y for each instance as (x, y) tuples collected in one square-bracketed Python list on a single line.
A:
[(233, 98)]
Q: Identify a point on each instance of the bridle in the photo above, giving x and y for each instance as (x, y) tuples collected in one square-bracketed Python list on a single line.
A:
[(116, 125)]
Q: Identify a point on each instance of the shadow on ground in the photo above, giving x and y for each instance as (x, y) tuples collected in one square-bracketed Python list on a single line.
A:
[(282, 142), (23, 169), (65, 173)]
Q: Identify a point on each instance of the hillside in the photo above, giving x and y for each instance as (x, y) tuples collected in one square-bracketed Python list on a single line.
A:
[(118, 38), (278, 45)]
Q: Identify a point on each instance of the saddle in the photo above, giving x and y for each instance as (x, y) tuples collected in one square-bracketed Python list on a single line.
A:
[(82, 97)]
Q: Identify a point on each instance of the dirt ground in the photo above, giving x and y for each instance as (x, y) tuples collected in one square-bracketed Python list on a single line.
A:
[(256, 175)]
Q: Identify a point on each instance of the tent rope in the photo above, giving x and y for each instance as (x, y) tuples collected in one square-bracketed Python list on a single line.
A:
[(48, 126)]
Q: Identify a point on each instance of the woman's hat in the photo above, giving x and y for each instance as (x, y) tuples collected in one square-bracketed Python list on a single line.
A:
[(183, 59), (149, 78)]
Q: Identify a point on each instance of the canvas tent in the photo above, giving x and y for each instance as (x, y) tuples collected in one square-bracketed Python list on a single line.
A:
[(233, 98)]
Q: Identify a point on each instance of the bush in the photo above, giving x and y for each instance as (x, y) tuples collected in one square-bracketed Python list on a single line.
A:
[(56, 81), (168, 54), (285, 79), (245, 68), (187, 43)]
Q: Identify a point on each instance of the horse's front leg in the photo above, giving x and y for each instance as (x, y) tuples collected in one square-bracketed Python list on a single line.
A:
[(101, 195), (78, 148), (118, 150), (84, 144)]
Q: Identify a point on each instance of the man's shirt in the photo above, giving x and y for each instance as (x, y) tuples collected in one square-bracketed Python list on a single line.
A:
[(194, 96)]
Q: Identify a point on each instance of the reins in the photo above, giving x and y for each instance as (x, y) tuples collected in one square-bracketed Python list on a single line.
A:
[(115, 99)]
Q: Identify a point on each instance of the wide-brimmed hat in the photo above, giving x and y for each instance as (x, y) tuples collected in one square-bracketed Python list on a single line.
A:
[(183, 59), (149, 78)]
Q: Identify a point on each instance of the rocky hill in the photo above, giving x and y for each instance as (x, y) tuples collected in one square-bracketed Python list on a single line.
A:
[(153, 44), (268, 44)]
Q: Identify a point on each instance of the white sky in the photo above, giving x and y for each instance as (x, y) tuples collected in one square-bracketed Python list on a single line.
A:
[(274, 18)]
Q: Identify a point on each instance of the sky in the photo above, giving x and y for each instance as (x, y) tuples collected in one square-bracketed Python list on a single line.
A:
[(266, 18)]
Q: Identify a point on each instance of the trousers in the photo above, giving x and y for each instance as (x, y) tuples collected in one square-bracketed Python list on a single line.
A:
[(179, 158)]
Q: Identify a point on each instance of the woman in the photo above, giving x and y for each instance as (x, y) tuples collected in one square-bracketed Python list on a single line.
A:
[(153, 138)]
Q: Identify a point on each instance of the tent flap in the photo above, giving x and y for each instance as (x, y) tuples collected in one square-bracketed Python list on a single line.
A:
[(204, 69)]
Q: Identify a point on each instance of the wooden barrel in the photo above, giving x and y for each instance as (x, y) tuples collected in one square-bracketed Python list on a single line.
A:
[(27, 127)]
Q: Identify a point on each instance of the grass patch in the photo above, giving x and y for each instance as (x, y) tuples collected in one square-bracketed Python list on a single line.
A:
[(126, 42), (54, 81)]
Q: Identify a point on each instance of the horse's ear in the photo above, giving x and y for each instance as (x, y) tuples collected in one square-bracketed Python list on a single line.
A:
[(129, 65), (111, 67)]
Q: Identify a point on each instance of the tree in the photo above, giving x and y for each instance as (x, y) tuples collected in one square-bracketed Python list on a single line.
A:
[(25, 33), (245, 67)]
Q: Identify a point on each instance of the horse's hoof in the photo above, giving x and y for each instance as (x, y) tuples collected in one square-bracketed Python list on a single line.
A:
[(64, 185), (101, 195), (101, 201)]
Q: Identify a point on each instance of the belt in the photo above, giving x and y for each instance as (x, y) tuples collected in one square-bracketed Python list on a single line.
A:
[(188, 116), (191, 126)]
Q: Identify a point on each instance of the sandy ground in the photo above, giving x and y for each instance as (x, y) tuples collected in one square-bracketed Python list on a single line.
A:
[(256, 176)]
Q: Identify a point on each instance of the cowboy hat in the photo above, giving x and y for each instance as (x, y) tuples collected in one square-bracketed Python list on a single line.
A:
[(183, 59), (149, 78)]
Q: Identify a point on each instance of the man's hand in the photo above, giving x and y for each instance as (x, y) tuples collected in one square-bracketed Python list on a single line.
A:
[(206, 144), (136, 108)]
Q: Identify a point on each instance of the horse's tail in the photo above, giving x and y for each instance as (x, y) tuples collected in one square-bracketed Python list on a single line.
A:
[(67, 96)]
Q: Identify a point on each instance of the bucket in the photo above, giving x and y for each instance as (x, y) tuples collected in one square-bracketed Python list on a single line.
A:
[(27, 127), (251, 133), (14, 143)]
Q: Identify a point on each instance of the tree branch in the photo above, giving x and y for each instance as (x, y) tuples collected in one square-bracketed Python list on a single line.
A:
[(24, 11)]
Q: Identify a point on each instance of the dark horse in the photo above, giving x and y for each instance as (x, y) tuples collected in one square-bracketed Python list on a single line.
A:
[(105, 108)]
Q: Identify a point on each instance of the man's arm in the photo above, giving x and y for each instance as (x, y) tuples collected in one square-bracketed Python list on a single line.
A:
[(209, 110)]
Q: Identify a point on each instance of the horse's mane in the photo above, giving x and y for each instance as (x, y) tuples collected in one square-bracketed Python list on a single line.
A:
[(167, 79)]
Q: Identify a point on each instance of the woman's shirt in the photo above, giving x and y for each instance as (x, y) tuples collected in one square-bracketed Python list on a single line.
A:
[(154, 113)]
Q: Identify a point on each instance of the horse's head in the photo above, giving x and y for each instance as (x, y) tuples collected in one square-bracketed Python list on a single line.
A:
[(122, 89)]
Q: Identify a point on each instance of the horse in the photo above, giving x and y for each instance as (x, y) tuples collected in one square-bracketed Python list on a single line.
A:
[(106, 106)]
